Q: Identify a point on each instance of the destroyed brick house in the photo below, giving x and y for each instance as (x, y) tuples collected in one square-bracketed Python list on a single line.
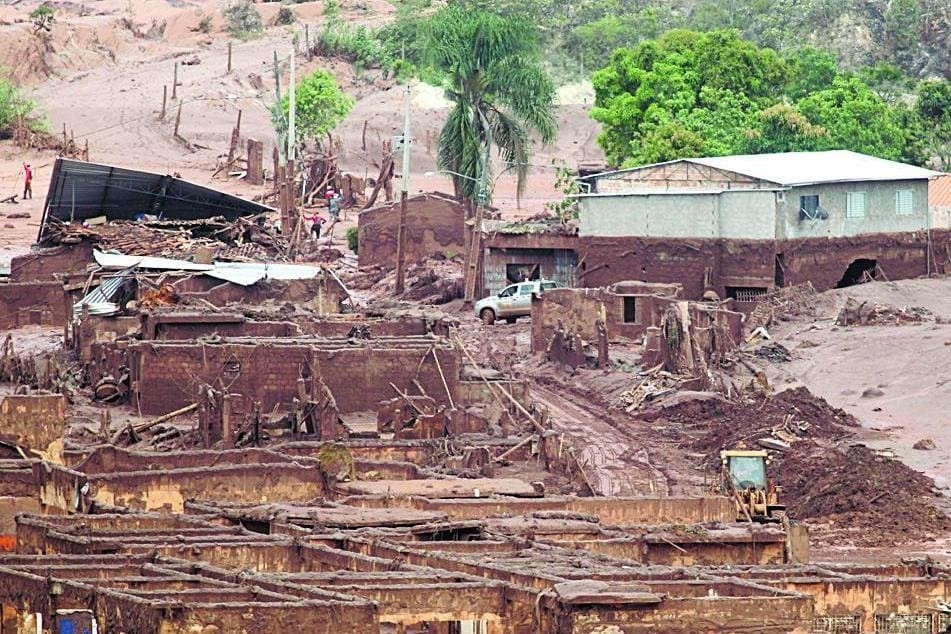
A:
[(435, 225), (743, 225), (277, 465)]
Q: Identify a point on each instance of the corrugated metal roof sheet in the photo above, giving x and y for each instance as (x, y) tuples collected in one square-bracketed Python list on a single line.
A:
[(243, 273), (807, 168), (939, 192), (80, 190), (99, 300)]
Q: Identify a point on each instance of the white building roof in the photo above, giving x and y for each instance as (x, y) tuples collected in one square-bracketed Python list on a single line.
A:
[(809, 168), (806, 168)]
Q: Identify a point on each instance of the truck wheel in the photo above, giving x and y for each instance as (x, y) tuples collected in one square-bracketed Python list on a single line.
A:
[(510, 320), (488, 316)]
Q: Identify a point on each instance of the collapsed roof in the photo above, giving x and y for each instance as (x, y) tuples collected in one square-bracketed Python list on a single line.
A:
[(80, 191)]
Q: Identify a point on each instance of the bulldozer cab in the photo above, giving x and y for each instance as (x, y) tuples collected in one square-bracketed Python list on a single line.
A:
[(744, 479), (746, 469)]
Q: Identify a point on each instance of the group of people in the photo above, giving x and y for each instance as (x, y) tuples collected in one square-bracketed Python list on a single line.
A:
[(333, 208)]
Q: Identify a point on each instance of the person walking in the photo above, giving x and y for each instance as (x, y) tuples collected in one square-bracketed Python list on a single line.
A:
[(316, 222), (27, 181), (333, 206)]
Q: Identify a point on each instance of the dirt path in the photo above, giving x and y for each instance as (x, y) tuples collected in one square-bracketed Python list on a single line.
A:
[(616, 464)]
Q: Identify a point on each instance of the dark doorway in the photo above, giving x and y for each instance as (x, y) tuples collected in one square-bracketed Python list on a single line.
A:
[(860, 271), (515, 273), (630, 310), (780, 271)]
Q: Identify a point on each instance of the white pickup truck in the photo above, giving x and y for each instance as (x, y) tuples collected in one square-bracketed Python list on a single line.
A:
[(512, 302)]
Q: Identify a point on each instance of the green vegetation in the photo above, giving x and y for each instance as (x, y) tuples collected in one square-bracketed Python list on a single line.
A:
[(566, 182), (15, 107), (499, 91), (320, 106), (709, 94), (353, 236), (204, 23), (243, 18), (579, 35), (42, 18), (356, 44), (285, 15)]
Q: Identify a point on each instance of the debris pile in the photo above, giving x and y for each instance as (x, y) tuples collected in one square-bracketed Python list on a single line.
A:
[(873, 498), (783, 303), (855, 313), (245, 239), (431, 282), (775, 352), (781, 420)]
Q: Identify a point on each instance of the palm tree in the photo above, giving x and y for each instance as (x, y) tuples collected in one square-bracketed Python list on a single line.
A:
[(499, 90)]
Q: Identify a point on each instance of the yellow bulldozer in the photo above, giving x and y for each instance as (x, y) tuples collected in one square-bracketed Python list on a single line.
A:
[(743, 478)]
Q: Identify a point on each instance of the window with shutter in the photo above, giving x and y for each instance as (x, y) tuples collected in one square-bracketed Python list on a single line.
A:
[(855, 205), (904, 202)]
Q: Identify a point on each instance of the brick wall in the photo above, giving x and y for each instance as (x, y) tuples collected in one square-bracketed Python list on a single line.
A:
[(434, 225), (693, 263), (33, 421), (51, 264), (578, 310), (899, 256), (32, 303), (168, 374)]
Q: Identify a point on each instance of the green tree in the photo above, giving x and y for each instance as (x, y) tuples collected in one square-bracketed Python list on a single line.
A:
[(320, 106), (13, 106), (43, 18), (243, 18), (855, 118), (499, 91), (933, 107), (887, 80), (903, 31), (809, 70), (782, 128), (703, 87)]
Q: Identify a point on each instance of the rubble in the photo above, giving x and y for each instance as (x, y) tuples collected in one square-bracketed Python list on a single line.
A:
[(867, 498), (855, 313), (238, 441)]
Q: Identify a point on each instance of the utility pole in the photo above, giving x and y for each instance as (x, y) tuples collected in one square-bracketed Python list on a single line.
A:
[(292, 216), (475, 233), (404, 194), (292, 118)]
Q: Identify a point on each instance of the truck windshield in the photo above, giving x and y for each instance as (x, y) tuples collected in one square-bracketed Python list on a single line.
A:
[(748, 471)]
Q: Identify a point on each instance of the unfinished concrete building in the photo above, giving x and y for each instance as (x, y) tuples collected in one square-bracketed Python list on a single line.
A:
[(742, 225)]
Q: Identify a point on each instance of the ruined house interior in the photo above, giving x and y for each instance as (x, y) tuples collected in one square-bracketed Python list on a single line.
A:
[(221, 449)]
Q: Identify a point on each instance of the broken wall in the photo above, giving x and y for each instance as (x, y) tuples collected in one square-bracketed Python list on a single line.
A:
[(435, 227), (41, 303), (34, 422), (168, 375), (696, 264), (51, 264), (627, 309)]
